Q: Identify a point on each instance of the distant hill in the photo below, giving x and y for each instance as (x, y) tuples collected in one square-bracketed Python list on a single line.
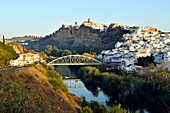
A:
[(88, 37), (24, 38)]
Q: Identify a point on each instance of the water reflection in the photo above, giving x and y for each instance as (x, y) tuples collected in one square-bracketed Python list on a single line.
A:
[(77, 87)]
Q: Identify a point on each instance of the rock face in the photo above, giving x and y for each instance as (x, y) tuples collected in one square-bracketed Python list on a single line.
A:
[(80, 38), (18, 48)]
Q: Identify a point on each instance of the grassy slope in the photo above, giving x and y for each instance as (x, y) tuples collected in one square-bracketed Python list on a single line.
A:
[(7, 53), (28, 90)]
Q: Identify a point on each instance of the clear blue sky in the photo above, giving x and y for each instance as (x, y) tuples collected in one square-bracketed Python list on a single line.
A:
[(42, 17)]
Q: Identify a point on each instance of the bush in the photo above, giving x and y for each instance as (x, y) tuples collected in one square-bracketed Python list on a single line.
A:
[(145, 61), (16, 99), (96, 107), (54, 51), (86, 109), (89, 71), (7, 53), (118, 109), (58, 84), (54, 78)]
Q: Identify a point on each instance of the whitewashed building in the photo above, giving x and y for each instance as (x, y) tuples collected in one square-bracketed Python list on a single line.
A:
[(26, 59), (143, 42)]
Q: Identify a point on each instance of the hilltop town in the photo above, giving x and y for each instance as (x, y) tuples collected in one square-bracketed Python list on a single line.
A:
[(86, 37), (119, 47), (114, 43), (143, 42)]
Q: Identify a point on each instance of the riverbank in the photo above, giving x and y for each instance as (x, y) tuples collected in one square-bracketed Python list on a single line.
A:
[(77, 87), (134, 92)]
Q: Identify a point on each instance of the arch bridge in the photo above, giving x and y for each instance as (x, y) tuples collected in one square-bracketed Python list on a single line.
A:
[(75, 60)]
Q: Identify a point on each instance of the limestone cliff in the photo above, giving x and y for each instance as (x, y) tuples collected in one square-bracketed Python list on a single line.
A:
[(18, 48), (88, 37)]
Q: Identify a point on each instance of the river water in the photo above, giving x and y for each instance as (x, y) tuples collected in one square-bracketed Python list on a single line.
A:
[(76, 86)]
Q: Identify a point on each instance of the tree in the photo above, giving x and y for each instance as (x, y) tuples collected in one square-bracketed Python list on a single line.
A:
[(118, 109), (7, 53), (55, 51), (3, 40), (66, 52), (145, 61), (86, 110), (91, 54)]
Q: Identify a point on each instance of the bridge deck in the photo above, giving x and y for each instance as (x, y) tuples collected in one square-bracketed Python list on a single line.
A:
[(75, 60), (72, 64)]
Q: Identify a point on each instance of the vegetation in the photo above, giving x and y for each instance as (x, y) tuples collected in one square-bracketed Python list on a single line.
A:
[(91, 54), (54, 51), (16, 98), (96, 107), (3, 40), (28, 91), (86, 109), (53, 77), (145, 61), (7, 53), (152, 90)]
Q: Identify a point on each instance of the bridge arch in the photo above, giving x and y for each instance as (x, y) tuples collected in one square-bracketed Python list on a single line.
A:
[(75, 60)]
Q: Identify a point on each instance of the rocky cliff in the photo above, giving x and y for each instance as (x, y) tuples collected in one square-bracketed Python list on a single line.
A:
[(17, 48), (88, 37)]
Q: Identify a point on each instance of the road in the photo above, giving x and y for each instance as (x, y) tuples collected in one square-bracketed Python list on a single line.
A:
[(12, 69)]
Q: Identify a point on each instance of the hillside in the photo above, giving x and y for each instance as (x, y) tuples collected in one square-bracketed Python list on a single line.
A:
[(88, 37), (17, 48), (29, 90), (7, 53), (24, 38)]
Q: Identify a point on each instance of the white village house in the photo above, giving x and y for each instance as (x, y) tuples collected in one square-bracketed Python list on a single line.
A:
[(26, 59), (144, 41)]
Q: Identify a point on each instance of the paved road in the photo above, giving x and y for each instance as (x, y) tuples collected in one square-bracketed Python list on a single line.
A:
[(12, 69)]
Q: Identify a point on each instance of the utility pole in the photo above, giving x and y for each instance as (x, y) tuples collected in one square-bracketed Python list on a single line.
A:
[(3, 40)]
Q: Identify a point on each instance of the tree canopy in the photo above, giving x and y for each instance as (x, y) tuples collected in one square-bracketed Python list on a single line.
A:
[(145, 61), (54, 51)]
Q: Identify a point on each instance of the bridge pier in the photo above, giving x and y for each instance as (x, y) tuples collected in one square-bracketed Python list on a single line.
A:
[(68, 71), (74, 83)]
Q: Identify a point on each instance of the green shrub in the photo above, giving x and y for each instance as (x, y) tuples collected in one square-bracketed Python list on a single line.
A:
[(118, 109), (7, 53), (58, 84), (88, 73), (87, 109), (16, 99), (53, 77)]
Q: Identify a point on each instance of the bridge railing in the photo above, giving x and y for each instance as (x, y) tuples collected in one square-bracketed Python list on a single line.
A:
[(75, 60)]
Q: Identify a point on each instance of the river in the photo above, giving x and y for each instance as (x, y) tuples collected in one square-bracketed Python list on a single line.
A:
[(76, 86)]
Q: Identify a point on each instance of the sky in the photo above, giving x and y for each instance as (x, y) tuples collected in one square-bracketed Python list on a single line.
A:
[(43, 17)]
